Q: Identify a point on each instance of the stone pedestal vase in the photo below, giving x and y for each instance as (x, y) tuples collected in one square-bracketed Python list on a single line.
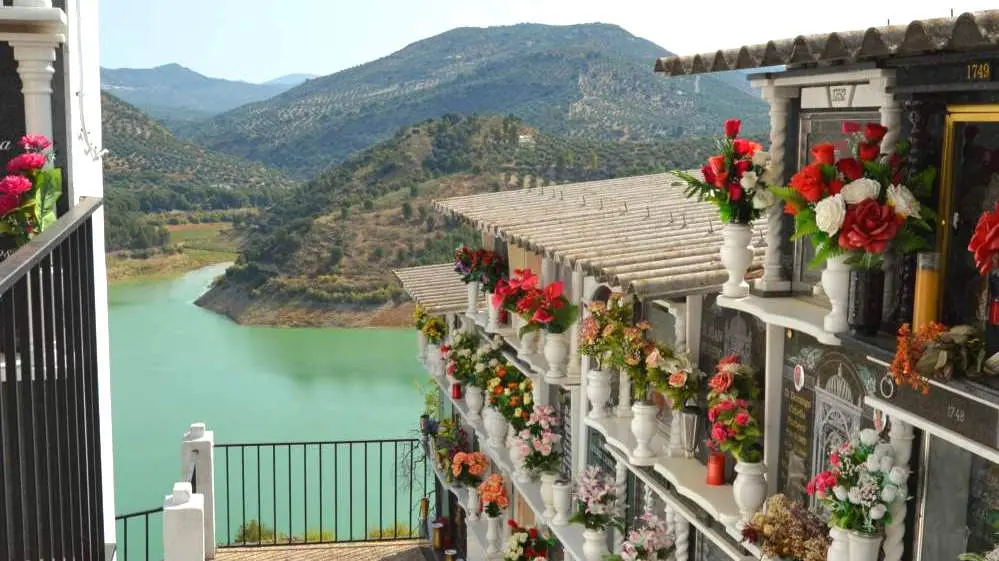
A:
[(866, 301), (839, 549), (548, 494), (421, 346), (836, 285), (473, 299), (736, 256), (562, 502), (475, 400), (528, 341), (864, 547), (594, 545), (492, 326), (495, 427), (492, 534), (749, 488), (598, 391), (557, 355), (643, 427), (474, 504)]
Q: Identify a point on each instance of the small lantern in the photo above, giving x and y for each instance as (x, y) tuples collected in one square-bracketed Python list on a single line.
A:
[(450, 555), (437, 535)]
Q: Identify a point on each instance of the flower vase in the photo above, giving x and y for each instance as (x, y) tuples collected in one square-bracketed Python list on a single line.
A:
[(474, 505), (598, 391), (688, 419), (528, 341), (836, 285), (520, 473), (839, 549), (475, 400), (676, 447), (492, 326), (492, 534), (434, 362), (562, 502), (557, 355), (643, 427), (863, 547), (548, 494), (736, 256), (473, 299), (421, 346), (749, 488), (594, 544), (495, 425), (866, 298)]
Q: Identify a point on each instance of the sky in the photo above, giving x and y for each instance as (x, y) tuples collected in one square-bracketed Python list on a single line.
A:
[(257, 40)]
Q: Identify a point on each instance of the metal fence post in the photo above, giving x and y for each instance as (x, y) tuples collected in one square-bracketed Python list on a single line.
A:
[(202, 441), (183, 525)]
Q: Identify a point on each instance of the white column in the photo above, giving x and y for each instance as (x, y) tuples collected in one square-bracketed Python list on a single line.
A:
[(679, 312), (779, 100), (621, 482), (681, 530), (202, 441), (624, 394), (891, 119), (772, 403), (901, 437), (576, 292), (577, 408), (183, 525), (694, 306), (34, 65)]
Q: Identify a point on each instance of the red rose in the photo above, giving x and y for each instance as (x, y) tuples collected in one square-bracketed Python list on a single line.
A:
[(735, 193), (824, 153), (718, 433), (533, 533), (742, 166), (717, 163), (741, 418), (835, 186), (721, 179), (849, 127), (868, 152), (732, 127), (809, 183), (850, 168), (869, 227), (709, 175), (984, 242), (790, 209), (873, 132), (742, 147), (720, 382)]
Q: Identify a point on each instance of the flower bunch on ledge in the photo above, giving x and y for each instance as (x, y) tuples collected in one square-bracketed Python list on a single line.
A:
[(598, 506), (419, 317), (537, 442), (734, 428), (650, 542), (509, 391), (862, 485), (936, 351), (461, 357), (434, 329), (675, 377), (30, 191), (481, 265), (984, 243), (785, 529), (990, 556), (469, 467), (547, 309), (602, 330), (486, 359), (510, 291), (733, 379), (492, 492), (450, 440), (527, 544)]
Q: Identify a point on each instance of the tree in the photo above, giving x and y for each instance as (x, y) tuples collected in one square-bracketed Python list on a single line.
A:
[(369, 204), (336, 255), (407, 210)]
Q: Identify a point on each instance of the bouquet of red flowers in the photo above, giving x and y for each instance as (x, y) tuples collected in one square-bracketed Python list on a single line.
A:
[(526, 544), (481, 265), (509, 291), (734, 180), (28, 195), (734, 429), (547, 309), (859, 204), (984, 242)]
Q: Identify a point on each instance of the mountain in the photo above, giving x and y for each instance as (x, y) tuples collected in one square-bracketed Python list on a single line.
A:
[(323, 253), (592, 81), (173, 92), (290, 79)]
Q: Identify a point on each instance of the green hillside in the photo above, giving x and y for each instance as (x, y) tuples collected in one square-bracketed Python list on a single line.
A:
[(592, 81)]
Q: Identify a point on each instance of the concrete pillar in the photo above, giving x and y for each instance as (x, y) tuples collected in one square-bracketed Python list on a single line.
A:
[(203, 441), (779, 100), (773, 392), (624, 394), (901, 436), (35, 58), (576, 292), (183, 525)]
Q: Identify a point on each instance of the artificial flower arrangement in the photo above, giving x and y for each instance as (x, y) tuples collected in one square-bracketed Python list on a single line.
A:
[(936, 351), (862, 484), (984, 244), (30, 191), (527, 544), (734, 428), (650, 542), (481, 265), (450, 440), (469, 467), (435, 329), (785, 529), (675, 377), (492, 493), (488, 356), (461, 357), (597, 504), (419, 317), (859, 204), (509, 391), (733, 379), (510, 291), (735, 180), (546, 308), (636, 352), (602, 330), (537, 443)]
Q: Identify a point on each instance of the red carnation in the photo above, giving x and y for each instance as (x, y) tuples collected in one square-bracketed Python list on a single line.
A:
[(732, 127), (808, 182), (15, 185), (850, 168), (29, 161), (868, 152), (849, 127), (873, 132), (824, 153), (869, 227), (741, 418), (8, 203)]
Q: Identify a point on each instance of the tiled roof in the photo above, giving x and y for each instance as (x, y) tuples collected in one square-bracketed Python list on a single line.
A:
[(436, 287), (967, 32), (640, 233)]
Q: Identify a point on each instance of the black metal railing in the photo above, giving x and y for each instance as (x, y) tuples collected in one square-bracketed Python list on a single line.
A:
[(143, 544), (191, 473), (50, 465), (319, 492)]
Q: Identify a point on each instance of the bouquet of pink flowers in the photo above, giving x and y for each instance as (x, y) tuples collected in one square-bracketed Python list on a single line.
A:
[(651, 542), (598, 506), (536, 444), (28, 195)]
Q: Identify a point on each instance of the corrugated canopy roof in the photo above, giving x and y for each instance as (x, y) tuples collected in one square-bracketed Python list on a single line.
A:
[(641, 233), (436, 287), (967, 32)]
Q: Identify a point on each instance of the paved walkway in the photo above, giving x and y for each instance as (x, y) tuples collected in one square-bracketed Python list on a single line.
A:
[(369, 551)]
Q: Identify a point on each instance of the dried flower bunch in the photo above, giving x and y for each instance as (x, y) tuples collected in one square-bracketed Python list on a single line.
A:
[(650, 542), (598, 507), (469, 467), (537, 443), (938, 352), (527, 544), (509, 391), (492, 492), (786, 529)]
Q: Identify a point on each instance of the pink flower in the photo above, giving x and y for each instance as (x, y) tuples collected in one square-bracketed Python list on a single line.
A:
[(15, 185), (8, 203), (718, 433), (29, 161), (37, 142)]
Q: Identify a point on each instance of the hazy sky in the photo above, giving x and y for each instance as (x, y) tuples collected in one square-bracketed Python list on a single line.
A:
[(256, 40)]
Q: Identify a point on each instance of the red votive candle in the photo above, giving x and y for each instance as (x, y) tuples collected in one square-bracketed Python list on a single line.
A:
[(716, 469), (456, 390)]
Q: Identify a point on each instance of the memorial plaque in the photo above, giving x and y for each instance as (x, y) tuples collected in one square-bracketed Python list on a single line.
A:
[(797, 421), (971, 71), (11, 106)]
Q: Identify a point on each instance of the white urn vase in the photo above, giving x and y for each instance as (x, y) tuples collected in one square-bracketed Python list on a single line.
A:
[(736, 256), (435, 364), (863, 547), (492, 534), (836, 285), (474, 504), (520, 472), (839, 549), (421, 346), (492, 326), (474, 399), (548, 494), (598, 391), (495, 427), (562, 502), (473, 299), (749, 488), (528, 341), (594, 544), (643, 427), (557, 355)]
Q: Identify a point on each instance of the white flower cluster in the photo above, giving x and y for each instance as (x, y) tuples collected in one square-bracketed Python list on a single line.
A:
[(830, 212), (754, 184), (876, 482), (515, 548)]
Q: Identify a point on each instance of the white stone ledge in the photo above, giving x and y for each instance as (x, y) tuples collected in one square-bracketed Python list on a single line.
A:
[(791, 313)]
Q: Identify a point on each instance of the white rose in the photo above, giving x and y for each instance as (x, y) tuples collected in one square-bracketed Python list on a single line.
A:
[(889, 494), (748, 181), (873, 463), (898, 475), (884, 449), (763, 199), (493, 362), (761, 158), (903, 200), (869, 437), (854, 495), (829, 214), (887, 462), (860, 190), (840, 492), (479, 367), (878, 511)]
